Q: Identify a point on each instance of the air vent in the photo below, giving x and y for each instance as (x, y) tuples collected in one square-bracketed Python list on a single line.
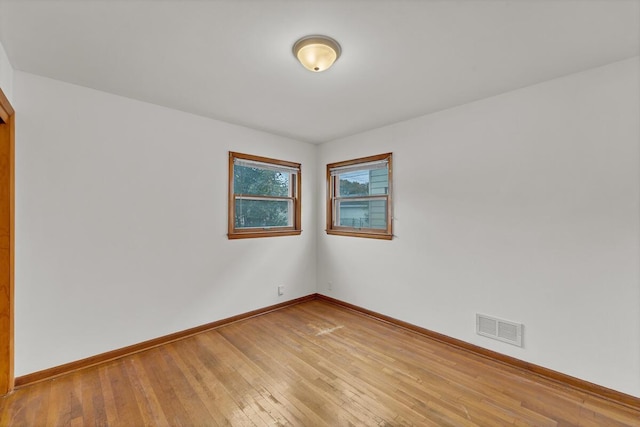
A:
[(502, 330)]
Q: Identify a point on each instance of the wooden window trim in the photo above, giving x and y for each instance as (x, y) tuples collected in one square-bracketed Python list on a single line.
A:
[(371, 233), (296, 198)]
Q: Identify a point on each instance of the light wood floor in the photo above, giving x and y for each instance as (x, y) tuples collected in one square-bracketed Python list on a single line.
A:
[(313, 364)]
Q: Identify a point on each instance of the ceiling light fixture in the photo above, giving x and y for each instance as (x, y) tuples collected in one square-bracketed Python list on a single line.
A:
[(316, 53)]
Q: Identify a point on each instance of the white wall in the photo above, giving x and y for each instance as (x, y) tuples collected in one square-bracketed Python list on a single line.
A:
[(6, 75), (523, 206), (121, 211)]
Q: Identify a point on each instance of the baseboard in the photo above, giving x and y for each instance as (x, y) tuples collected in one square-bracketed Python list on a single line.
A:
[(57, 371), (549, 374)]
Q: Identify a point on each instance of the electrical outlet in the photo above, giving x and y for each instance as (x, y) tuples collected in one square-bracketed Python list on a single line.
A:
[(330, 285), (281, 290)]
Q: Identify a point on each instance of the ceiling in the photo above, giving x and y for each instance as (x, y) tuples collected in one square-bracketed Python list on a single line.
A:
[(231, 59)]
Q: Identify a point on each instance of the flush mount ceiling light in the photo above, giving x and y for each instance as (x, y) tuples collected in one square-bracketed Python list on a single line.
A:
[(316, 53)]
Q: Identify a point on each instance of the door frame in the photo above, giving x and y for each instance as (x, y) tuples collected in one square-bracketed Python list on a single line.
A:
[(7, 243)]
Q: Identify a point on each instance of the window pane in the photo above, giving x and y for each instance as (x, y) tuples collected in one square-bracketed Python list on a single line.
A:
[(261, 182), (251, 213), (363, 183), (362, 214)]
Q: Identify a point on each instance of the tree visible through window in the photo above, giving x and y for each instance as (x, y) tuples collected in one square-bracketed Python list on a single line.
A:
[(359, 198), (264, 197)]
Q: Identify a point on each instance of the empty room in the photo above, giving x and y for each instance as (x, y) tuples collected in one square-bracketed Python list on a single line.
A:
[(320, 212)]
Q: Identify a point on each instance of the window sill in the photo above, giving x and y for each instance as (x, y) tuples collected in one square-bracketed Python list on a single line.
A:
[(365, 234), (256, 234)]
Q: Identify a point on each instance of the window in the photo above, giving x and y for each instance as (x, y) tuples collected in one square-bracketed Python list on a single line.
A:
[(264, 197), (359, 197)]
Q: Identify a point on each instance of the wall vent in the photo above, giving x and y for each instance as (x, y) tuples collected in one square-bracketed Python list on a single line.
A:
[(502, 330)]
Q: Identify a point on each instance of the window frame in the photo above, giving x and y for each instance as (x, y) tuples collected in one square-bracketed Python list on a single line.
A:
[(373, 233), (295, 197)]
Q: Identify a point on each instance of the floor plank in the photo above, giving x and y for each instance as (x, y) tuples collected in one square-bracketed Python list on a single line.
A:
[(312, 364)]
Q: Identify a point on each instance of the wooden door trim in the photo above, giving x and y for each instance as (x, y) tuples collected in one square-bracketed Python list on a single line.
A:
[(7, 243)]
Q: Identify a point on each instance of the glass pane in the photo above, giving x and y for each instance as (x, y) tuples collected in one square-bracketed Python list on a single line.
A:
[(362, 214), (261, 182), (263, 213), (363, 183)]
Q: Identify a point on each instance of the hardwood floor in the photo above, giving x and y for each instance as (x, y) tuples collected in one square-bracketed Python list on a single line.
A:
[(312, 364)]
